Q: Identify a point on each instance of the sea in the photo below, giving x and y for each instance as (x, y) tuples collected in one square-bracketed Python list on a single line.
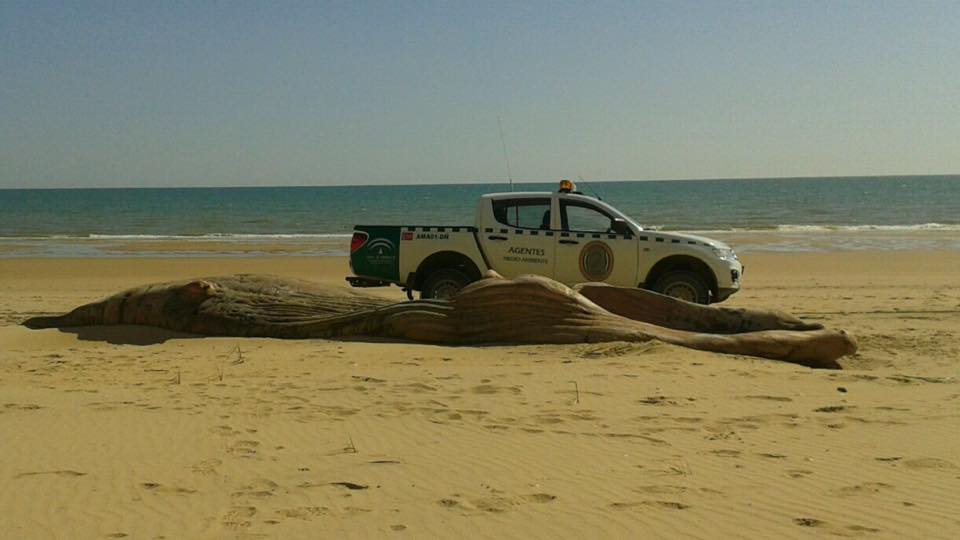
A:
[(775, 214)]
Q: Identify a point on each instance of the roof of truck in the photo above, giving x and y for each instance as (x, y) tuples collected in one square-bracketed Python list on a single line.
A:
[(527, 194)]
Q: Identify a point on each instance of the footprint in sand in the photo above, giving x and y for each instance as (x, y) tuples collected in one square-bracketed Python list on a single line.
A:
[(207, 466), (929, 463), (495, 389), (335, 410), (494, 503), (239, 517), (667, 505), (352, 486), (22, 406), (831, 408), (367, 379), (449, 503), (303, 512), (244, 448), (862, 529), (660, 489), (850, 530), (657, 400), (769, 398), (224, 430), (539, 498), (259, 489), (65, 473), (154, 487), (670, 505), (416, 388), (867, 488)]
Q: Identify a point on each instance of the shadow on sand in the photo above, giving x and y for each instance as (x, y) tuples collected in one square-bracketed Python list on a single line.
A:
[(130, 334), (126, 334)]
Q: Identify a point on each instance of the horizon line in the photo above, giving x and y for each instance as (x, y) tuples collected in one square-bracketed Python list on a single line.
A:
[(488, 182)]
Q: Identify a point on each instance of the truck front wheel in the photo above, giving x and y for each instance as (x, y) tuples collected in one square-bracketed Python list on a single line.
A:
[(684, 285), (443, 284)]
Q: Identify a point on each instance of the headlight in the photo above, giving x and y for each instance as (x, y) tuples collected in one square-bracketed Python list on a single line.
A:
[(724, 253)]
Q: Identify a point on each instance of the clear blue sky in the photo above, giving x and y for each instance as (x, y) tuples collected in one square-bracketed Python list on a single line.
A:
[(287, 93)]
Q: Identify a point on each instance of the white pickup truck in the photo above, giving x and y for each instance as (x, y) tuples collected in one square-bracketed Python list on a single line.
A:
[(567, 236)]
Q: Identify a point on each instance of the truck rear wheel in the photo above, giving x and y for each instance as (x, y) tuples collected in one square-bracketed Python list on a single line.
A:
[(443, 284), (684, 285)]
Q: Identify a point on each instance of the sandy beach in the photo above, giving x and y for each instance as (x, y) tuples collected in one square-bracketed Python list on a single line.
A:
[(134, 432)]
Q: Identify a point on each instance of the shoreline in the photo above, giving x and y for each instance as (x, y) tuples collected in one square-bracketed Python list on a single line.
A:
[(812, 240), (841, 264)]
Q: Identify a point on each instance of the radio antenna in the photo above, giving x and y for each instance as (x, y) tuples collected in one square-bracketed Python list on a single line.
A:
[(592, 188), (506, 157)]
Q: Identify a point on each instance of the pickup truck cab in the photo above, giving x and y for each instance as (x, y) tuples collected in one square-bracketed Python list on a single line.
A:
[(566, 235)]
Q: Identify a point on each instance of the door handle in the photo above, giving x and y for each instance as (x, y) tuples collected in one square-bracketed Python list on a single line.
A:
[(496, 237), (569, 242)]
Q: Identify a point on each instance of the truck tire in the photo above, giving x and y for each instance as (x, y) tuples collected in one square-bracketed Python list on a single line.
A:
[(444, 283), (684, 285)]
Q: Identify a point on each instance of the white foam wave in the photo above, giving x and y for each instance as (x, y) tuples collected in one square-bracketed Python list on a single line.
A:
[(855, 228), (257, 237), (197, 237), (218, 236), (937, 227)]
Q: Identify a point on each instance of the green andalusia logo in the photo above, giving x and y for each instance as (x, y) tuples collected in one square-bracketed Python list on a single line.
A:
[(381, 252), (382, 246), (596, 261)]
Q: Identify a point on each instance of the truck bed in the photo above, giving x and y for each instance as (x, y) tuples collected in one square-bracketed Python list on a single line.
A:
[(390, 248)]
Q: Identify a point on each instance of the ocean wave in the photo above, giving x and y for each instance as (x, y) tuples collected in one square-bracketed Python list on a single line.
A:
[(187, 237), (269, 237), (936, 227), (855, 228), (222, 236)]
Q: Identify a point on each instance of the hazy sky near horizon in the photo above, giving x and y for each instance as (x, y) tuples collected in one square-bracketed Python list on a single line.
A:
[(130, 94)]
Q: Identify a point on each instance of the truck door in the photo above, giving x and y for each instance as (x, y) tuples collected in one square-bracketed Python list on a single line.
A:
[(520, 241), (589, 250)]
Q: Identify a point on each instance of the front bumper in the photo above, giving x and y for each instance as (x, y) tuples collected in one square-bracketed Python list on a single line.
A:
[(729, 286), (723, 294)]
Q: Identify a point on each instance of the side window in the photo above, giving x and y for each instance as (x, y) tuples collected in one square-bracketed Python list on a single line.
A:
[(523, 213), (584, 218)]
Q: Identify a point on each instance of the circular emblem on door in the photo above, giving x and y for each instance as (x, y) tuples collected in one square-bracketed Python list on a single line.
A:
[(596, 261)]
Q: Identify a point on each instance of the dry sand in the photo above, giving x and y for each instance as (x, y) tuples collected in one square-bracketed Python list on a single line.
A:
[(140, 433)]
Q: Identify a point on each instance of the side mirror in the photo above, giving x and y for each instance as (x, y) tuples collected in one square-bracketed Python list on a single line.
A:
[(619, 226)]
